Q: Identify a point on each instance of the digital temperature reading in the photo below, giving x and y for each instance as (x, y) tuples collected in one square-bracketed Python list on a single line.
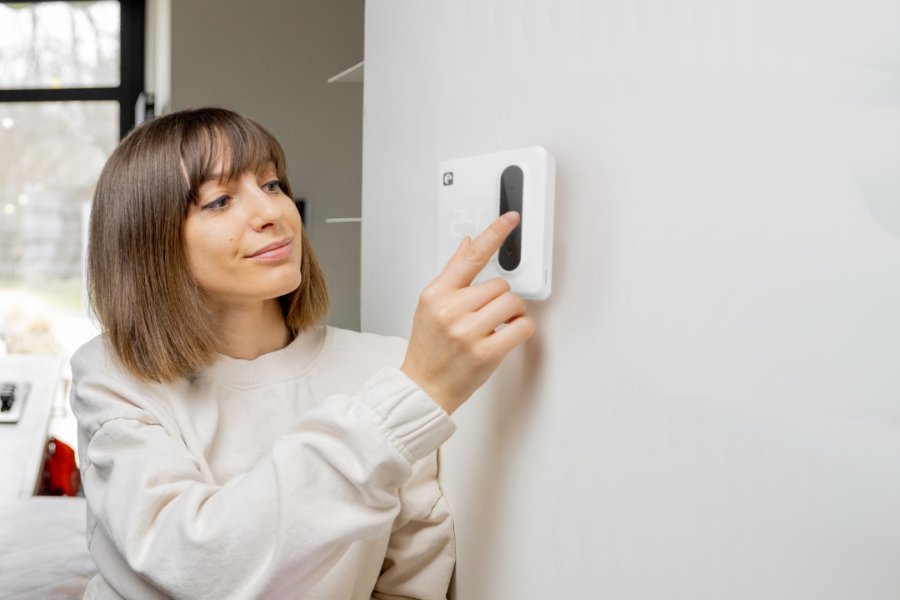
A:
[(471, 222)]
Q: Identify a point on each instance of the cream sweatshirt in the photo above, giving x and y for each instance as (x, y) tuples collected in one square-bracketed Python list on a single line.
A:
[(308, 473)]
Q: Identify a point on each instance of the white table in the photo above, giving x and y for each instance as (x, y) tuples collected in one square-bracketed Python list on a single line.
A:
[(22, 443)]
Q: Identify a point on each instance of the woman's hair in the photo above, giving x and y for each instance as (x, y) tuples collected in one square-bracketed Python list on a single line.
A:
[(156, 319)]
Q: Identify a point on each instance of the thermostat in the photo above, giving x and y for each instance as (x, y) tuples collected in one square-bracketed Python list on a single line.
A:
[(472, 192)]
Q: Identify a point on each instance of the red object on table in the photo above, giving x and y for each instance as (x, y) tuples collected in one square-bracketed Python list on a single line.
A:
[(60, 476)]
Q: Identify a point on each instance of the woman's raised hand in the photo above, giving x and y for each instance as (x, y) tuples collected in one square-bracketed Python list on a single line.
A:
[(454, 346)]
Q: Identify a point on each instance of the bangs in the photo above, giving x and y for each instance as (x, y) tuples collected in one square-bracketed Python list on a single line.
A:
[(240, 144)]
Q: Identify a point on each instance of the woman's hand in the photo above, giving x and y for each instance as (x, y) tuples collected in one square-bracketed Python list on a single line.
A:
[(454, 346)]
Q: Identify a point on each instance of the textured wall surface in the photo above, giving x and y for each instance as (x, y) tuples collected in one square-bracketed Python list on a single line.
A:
[(271, 60), (710, 407)]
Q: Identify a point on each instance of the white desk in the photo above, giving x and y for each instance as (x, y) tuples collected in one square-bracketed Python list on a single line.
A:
[(22, 443)]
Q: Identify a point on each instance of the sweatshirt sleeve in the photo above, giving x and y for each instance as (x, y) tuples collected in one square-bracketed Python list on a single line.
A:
[(422, 549), (333, 479)]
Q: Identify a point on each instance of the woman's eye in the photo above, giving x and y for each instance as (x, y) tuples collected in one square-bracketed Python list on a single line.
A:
[(219, 202), (273, 186)]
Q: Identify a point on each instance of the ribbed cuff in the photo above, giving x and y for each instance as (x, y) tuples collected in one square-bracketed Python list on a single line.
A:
[(406, 414)]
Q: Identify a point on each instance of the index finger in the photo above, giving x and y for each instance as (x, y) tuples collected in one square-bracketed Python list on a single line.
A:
[(465, 266)]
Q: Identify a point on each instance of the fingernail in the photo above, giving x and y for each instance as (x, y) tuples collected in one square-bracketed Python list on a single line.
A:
[(511, 217)]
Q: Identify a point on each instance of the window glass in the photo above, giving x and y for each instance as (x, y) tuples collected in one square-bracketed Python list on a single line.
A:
[(59, 45), (51, 154)]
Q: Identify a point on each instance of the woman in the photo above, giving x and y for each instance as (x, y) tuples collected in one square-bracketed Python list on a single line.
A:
[(229, 446)]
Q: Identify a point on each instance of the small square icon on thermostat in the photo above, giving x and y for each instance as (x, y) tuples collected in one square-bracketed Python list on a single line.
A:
[(448, 178)]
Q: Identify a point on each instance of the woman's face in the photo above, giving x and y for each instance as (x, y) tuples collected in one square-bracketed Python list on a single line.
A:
[(243, 239)]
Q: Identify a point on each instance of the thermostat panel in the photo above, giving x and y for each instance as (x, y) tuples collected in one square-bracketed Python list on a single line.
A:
[(472, 192)]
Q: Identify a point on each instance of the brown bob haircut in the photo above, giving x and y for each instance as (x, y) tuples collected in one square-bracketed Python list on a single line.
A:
[(156, 320)]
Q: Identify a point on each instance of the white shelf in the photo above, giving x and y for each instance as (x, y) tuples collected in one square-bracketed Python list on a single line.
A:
[(352, 75)]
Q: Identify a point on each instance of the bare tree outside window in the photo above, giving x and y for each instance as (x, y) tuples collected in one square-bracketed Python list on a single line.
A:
[(59, 45)]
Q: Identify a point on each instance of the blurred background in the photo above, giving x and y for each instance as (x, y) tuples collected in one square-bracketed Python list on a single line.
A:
[(51, 153)]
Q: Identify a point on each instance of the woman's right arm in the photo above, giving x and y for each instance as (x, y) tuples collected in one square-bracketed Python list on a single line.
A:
[(330, 481)]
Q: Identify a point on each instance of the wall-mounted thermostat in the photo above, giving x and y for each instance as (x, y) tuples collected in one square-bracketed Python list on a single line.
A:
[(472, 192)]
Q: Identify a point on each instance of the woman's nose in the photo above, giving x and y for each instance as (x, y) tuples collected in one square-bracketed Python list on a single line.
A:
[(265, 208)]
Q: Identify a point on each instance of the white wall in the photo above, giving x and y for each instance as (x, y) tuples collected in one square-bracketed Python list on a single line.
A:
[(710, 408)]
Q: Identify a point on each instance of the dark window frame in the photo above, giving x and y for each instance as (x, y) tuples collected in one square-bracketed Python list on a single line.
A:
[(131, 71)]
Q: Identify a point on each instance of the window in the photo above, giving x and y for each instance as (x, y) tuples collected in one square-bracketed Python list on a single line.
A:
[(70, 75)]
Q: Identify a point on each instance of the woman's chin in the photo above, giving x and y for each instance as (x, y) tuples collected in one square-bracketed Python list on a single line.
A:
[(284, 288), (277, 284)]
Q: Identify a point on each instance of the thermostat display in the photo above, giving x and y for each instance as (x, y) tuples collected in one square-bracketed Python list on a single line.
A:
[(472, 192)]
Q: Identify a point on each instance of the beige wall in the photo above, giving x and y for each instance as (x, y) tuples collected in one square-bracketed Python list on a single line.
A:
[(271, 59)]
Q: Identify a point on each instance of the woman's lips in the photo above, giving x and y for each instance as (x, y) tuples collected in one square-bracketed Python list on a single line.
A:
[(278, 252)]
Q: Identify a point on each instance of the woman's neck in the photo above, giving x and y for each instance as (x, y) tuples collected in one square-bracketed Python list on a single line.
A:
[(251, 330)]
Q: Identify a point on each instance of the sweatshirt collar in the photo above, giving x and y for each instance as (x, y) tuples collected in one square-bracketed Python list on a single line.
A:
[(282, 364)]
